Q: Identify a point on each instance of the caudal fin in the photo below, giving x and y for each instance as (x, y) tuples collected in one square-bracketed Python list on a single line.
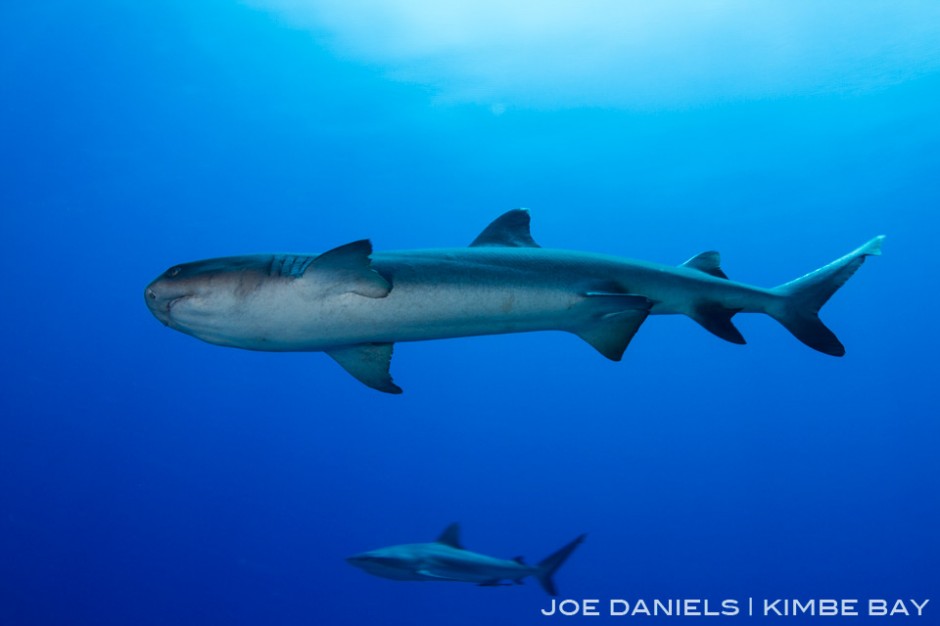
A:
[(798, 310), (548, 565)]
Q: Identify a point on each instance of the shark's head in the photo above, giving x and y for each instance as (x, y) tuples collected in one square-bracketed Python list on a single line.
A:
[(387, 562), (199, 298)]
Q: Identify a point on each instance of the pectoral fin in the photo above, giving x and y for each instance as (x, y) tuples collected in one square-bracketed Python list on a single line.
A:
[(351, 269), (368, 363), (429, 574)]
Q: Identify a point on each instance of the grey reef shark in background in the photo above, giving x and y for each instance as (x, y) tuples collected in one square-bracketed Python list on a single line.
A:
[(447, 560), (355, 305)]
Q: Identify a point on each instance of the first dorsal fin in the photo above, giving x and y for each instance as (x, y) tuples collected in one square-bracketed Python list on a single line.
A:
[(708, 262), (451, 536), (511, 229)]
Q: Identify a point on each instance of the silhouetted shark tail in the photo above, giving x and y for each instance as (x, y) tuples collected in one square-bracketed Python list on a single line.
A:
[(798, 309), (551, 563)]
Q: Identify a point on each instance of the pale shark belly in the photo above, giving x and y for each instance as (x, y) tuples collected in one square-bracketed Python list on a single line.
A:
[(412, 311)]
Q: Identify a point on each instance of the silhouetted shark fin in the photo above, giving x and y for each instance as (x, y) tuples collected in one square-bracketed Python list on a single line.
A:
[(550, 564), (708, 262), (717, 320), (368, 363), (519, 560), (353, 269), (800, 300), (614, 320), (511, 229), (451, 536)]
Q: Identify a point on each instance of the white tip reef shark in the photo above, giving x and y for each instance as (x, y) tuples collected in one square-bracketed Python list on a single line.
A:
[(447, 560), (355, 305)]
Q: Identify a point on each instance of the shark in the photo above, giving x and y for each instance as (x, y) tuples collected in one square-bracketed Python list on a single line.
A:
[(447, 560), (355, 304)]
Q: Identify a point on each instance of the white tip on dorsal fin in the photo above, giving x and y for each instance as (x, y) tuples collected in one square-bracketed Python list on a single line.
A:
[(708, 262), (451, 536), (511, 229)]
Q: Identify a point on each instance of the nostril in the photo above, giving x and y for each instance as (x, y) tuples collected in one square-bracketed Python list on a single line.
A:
[(151, 294)]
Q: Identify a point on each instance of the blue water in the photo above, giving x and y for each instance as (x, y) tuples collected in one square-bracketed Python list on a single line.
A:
[(149, 478)]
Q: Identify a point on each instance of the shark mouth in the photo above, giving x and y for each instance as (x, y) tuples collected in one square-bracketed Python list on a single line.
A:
[(169, 308), (163, 311), (171, 303)]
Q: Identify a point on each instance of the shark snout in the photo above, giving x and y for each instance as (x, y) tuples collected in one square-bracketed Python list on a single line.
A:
[(360, 560), (379, 564), (160, 296)]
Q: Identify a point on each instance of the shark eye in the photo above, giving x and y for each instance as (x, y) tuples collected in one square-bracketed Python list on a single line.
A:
[(173, 271)]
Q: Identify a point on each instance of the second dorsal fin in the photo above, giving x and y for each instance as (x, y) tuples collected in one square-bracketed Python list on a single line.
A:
[(511, 229), (708, 262)]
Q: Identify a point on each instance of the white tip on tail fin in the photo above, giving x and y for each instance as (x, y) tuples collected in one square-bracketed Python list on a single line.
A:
[(873, 247), (801, 299)]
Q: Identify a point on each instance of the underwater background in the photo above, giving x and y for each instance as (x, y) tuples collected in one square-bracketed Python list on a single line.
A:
[(150, 478)]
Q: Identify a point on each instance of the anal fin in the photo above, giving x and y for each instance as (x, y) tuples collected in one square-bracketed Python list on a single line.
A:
[(717, 321), (368, 363)]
